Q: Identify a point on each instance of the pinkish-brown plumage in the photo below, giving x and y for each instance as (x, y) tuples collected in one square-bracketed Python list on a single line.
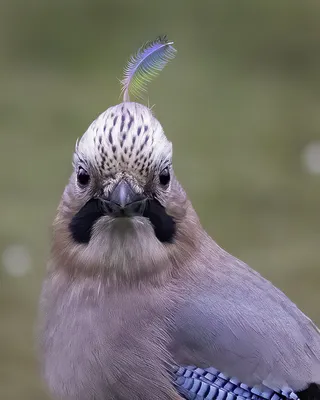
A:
[(128, 294)]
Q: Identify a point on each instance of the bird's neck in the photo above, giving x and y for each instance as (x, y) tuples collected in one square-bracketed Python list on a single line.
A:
[(129, 252)]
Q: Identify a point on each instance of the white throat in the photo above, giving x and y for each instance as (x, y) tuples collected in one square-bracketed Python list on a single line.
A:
[(124, 247)]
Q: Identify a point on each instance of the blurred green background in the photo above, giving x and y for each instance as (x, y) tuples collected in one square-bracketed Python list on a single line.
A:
[(240, 102)]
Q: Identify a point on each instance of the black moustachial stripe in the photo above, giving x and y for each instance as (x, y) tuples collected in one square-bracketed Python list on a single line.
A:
[(82, 223), (163, 224)]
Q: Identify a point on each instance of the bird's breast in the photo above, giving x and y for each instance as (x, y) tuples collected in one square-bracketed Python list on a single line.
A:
[(86, 332)]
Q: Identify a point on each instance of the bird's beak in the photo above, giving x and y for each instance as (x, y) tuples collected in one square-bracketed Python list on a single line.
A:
[(124, 201)]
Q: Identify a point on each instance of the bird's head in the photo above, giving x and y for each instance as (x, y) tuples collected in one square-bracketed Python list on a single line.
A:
[(123, 172), (123, 212), (123, 207)]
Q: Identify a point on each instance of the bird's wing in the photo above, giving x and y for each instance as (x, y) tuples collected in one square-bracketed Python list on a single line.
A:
[(210, 384), (239, 322)]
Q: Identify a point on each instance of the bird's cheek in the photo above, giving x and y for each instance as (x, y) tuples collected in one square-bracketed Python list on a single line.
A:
[(82, 222), (163, 224)]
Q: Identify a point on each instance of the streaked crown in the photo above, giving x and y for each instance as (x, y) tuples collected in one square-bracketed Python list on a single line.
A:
[(126, 137)]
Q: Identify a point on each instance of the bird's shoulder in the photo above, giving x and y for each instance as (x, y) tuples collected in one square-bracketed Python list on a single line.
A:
[(238, 321)]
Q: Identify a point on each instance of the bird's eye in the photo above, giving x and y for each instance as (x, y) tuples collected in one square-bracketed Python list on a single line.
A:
[(83, 177), (164, 176)]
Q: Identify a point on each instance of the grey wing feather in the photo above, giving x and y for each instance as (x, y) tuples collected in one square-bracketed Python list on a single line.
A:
[(238, 321)]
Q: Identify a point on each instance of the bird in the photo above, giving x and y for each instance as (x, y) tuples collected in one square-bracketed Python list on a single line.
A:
[(138, 301)]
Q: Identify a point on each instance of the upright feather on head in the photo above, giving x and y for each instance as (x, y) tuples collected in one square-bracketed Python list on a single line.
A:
[(146, 65)]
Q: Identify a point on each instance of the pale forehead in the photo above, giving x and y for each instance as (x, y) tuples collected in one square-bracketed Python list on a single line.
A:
[(125, 137)]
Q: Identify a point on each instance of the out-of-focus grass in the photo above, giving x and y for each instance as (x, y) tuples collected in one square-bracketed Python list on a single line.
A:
[(240, 102)]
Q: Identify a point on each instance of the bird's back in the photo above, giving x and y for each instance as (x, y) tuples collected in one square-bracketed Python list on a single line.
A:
[(239, 322)]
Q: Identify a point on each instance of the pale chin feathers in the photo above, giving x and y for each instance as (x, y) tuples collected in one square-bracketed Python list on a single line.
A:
[(122, 248)]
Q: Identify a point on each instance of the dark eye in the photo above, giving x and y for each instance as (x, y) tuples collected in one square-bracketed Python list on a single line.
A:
[(83, 177), (164, 176)]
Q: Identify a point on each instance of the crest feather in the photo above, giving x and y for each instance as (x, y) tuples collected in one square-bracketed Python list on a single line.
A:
[(146, 65)]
